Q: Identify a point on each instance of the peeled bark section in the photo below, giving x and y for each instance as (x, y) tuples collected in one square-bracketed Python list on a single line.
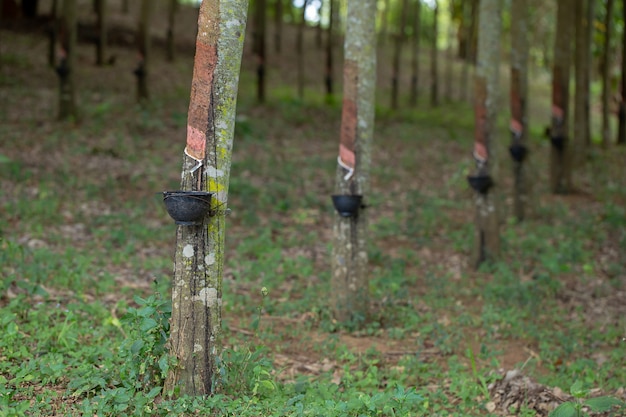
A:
[(199, 259), (349, 281)]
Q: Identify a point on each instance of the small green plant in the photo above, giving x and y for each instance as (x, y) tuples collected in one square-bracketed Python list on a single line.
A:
[(576, 407)]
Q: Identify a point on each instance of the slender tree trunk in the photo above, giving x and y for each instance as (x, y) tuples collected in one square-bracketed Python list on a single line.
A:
[(199, 260), (449, 56), (278, 25), (101, 6), (487, 234), (621, 132), (384, 23), (171, 19), (582, 69), (67, 65), (519, 94), (259, 47), (560, 154), (467, 29), (55, 10), (330, 42), (300, 50), (349, 282), (606, 74), (395, 78), (318, 28), (142, 70), (434, 61), (415, 52)]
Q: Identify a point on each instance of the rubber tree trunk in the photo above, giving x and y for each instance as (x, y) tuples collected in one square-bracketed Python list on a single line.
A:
[(199, 259), (142, 70), (519, 96), (582, 69), (621, 132), (330, 46), (66, 67), (560, 152), (487, 234), (172, 9), (349, 281), (101, 6), (278, 25), (397, 54), (300, 50), (434, 60), (415, 52), (260, 28), (606, 74)]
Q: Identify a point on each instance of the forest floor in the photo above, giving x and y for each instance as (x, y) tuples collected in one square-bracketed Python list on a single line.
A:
[(83, 234)]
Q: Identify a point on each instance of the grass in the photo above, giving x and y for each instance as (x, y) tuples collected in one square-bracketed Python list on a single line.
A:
[(86, 255)]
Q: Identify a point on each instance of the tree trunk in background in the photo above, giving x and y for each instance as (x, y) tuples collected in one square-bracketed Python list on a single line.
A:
[(144, 49), (101, 6), (474, 25), (171, 19), (449, 56), (560, 153), (519, 95), (330, 44), (487, 233), (415, 52), (582, 68), (621, 132), (55, 11), (278, 25), (467, 29), (300, 50), (318, 28), (606, 74), (384, 23), (67, 64), (260, 18), (349, 281), (395, 77), (434, 61), (199, 259)]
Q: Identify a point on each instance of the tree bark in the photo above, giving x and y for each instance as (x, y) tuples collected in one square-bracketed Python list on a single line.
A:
[(582, 69), (415, 52), (199, 259), (260, 28), (519, 94), (66, 67), (621, 132), (300, 50), (434, 60), (349, 281), (606, 74), (487, 233), (101, 6), (142, 70), (560, 153), (171, 19), (395, 77)]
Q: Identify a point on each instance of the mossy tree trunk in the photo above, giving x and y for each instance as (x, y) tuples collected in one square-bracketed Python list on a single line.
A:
[(434, 59), (67, 61), (519, 97), (487, 233), (397, 54), (349, 282), (560, 151), (582, 70), (621, 132), (172, 9), (606, 73), (199, 258), (143, 41), (260, 17), (415, 52), (101, 10)]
